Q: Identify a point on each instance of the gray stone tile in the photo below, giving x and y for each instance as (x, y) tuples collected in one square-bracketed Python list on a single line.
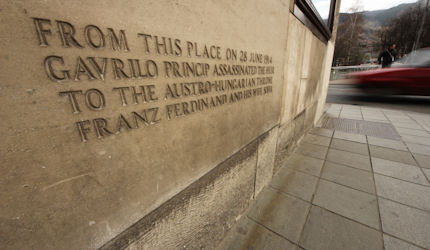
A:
[(350, 146), (399, 145), (392, 243), (349, 136), (411, 125), (404, 192), (250, 235), (326, 230), (281, 213), (405, 222), (415, 132), (349, 159), (392, 154), (322, 131), (377, 120), (377, 116), (295, 183), (418, 148), (317, 139), (312, 150), (351, 177), (416, 139), (423, 160), (352, 117), (348, 202), (398, 170), (305, 164)]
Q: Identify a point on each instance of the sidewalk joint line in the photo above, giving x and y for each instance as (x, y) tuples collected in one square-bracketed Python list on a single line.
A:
[(376, 194)]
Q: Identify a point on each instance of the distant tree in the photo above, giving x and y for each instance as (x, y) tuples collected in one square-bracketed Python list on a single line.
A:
[(350, 33), (404, 29)]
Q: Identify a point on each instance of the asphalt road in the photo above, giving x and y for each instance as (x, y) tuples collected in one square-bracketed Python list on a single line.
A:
[(347, 94)]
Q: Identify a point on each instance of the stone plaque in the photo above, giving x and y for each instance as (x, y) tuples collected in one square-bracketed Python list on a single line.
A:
[(109, 108)]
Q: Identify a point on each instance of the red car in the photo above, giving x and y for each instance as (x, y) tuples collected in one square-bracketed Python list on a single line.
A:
[(408, 76)]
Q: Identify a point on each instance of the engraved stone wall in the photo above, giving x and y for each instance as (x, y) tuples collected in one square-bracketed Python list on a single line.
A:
[(113, 109)]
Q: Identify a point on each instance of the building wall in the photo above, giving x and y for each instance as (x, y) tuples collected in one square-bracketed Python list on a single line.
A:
[(177, 182)]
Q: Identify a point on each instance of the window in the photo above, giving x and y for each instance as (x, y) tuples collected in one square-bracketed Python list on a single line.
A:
[(318, 15)]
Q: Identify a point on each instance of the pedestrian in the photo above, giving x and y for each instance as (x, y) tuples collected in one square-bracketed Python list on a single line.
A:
[(388, 56)]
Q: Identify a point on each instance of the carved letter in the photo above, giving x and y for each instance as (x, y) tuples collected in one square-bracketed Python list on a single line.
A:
[(50, 70), (89, 38), (38, 23), (72, 99), (99, 70), (118, 43), (82, 68), (83, 130), (122, 122), (100, 125), (89, 101), (67, 32), (145, 37)]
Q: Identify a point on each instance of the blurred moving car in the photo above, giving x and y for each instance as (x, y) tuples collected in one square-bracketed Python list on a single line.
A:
[(407, 76)]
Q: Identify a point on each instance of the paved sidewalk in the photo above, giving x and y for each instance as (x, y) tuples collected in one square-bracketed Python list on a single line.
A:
[(343, 190)]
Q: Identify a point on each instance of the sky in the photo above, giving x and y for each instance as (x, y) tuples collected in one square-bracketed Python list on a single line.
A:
[(323, 6)]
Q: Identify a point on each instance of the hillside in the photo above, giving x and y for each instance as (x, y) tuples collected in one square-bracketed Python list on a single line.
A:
[(373, 20)]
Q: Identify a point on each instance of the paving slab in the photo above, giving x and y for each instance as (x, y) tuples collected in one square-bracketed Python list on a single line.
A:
[(392, 154), (406, 223), (317, 139), (350, 146), (399, 170), (322, 131), (349, 136), (376, 120), (391, 243), (418, 148), (387, 143), (349, 159), (312, 150), (326, 230), (423, 140), (412, 125), (415, 132), (423, 160), (404, 192), (281, 213), (352, 117), (250, 235), (295, 183), (305, 164), (351, 203), (348, 176)]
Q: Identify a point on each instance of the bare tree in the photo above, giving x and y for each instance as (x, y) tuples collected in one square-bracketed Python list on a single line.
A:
[(410, 30), (350, 33)]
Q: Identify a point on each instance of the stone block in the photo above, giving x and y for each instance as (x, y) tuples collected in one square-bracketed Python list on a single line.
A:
[(404, 192), (350, 146), (327, 230), (281, 213), (405, 222), (305, 164), (349, 159), (392, 154), (266, 159), (247, 234), (295, 183), (399, 170), (348, 202), (351, 177)]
